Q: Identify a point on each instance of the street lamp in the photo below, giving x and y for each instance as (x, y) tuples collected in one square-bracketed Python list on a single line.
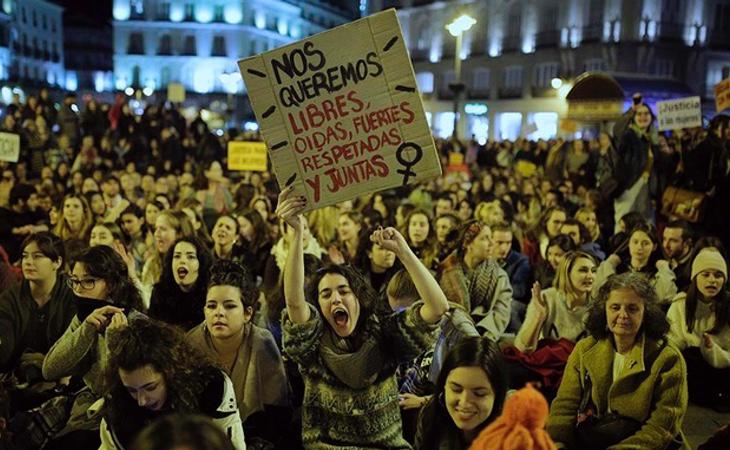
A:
[(457, 29)]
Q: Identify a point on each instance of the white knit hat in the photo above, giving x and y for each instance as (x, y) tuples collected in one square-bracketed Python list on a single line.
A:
[(706, 259)]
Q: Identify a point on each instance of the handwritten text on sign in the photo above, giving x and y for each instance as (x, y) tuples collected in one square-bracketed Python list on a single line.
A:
[(722, 95), (247, 156), (340, 112), (9, 147), (680, 113)]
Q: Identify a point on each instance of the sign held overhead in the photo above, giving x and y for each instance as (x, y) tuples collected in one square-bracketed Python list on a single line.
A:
[(680, 113), (340, 112)]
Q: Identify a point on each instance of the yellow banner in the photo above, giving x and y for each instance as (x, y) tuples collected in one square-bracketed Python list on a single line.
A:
[(247, 156), (722, 95)]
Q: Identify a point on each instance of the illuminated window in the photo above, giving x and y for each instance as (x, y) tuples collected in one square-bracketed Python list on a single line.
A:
[(544, 73), (508, 125), (481, 79), (425, 82), (219, 46), (545, 125), (512, 77)]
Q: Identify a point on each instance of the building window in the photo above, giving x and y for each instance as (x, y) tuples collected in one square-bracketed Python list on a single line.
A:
[(663, 68), (23, 16), (481, 80), (549, 19), (45, 22), (448, 78), (672, 11), (189, 46), (595, 13), (53, 26), (722, 17), (544, 73), (189, 12), (725, 72), (513, 77), (164, 11), (514, 22), (219, 46), (424, 80), (218, 13), (594, 64), (165, 47), (35, 19), (136, 44)]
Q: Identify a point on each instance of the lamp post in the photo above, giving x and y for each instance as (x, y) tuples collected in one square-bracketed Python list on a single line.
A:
[(457, 29)]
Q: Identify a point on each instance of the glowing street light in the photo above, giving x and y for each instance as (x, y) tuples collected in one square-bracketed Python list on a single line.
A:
[(457, 29), (556, 83)]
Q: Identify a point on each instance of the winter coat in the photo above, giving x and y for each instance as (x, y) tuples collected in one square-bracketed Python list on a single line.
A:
[(651, 389)]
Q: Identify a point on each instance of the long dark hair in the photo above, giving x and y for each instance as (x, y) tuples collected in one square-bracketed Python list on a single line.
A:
[(655, 324), (185, 369), (105, 263), (434, 420), (167, 284), (721, 303), (656, 254), (261, 229)]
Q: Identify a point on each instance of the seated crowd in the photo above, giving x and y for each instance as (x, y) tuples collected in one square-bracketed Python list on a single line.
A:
[(149, 296)]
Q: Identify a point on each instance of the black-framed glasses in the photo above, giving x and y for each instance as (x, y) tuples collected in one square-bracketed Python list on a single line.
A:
[(85, 284)]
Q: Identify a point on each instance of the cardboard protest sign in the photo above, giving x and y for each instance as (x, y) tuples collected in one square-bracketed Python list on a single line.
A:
[(247, 156), (340, 112), (9, 147), (175, 93), (722, 95), (680, 113)]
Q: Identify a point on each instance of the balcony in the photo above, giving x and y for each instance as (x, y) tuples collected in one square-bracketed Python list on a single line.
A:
[(164, 51), (135, 50), (547, 39), (511, 44), (544, 92), (479, 94), (592, 33), (510, 92)]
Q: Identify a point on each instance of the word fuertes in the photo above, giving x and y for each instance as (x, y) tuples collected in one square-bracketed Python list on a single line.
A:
[(349, 153), (301, 62)]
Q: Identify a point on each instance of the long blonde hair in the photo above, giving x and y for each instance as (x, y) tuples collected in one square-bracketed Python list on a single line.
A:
[(65, 232), (562, 281), (183, 228)]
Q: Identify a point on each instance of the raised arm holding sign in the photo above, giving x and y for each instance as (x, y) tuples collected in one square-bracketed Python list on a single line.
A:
[(341, 120)]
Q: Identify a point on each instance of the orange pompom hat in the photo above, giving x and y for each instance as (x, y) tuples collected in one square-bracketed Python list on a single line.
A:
[(521, 425)]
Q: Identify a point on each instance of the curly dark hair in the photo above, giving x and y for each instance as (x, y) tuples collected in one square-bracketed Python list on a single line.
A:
[(655, 324), (229, 273), (105, 263), (186, 370), (434, 419)]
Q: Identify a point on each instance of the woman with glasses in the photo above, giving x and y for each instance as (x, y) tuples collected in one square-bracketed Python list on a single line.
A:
[(347, 347), (105, 297), (35, 313)]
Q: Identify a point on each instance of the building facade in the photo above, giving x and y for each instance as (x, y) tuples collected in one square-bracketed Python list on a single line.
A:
[(88, 52), (35, 37), (198, 42), (510, 57)]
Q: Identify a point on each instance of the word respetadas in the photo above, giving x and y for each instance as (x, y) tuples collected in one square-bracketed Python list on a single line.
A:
[(309, 66)]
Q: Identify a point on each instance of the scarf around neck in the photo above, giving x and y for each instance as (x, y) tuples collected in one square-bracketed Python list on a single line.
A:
[(357, 368)]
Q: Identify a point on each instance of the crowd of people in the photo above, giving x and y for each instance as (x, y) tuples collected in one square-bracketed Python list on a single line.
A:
[(148, 292)]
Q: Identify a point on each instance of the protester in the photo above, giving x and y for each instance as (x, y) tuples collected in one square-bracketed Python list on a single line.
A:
[(152, 372), (338, 343), (469, 395), (624, 368)]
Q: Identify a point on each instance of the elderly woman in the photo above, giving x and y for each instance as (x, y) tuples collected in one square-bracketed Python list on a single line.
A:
[(347, 350), (623, 373)]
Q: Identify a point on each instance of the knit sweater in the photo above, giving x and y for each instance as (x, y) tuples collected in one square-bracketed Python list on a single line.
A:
[(336, 416), (718, 355)]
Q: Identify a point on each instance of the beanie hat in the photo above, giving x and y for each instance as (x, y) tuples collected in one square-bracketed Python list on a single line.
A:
[(521, 425), (707, 259)]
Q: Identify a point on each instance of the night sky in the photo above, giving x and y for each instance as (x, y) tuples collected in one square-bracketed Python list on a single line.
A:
[(96, 10)]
